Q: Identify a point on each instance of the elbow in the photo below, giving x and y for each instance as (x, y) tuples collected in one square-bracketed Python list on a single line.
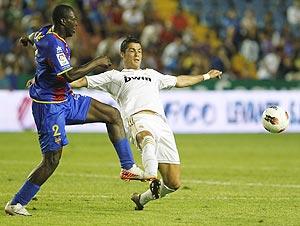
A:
[(69, 80), (73, 86), (79, 83), (181, 85), (68, 77)]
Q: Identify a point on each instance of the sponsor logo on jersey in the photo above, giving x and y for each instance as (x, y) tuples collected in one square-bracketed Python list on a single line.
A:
[(127, 78), (62, 59), (59, 49)]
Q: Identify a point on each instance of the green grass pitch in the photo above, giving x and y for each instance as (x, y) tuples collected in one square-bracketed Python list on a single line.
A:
[(233, 179)]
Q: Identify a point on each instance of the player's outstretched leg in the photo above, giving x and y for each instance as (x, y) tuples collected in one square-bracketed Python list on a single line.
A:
[(151, 194), (147, 144), (157, 189), (32, 185), (136, 199), (154, 187), (100, 112), (169, 183)]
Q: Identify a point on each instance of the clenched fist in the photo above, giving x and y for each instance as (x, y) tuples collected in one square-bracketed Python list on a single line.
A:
[(24, 40), (103, 62), (215, 74)]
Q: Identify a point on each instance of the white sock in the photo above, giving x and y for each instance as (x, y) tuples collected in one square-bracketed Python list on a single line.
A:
[(149, 159), (146, 197), (164, 190)]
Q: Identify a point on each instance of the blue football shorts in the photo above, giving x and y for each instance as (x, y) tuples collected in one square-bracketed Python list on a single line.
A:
[(51, 119)]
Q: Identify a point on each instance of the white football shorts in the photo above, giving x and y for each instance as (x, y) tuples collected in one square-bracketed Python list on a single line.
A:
[(166, 150)]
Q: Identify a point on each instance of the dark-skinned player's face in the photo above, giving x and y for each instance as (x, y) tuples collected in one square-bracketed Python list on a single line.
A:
[(70, 23)]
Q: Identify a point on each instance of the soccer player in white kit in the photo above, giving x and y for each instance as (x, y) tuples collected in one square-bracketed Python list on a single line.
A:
[(136, 91)]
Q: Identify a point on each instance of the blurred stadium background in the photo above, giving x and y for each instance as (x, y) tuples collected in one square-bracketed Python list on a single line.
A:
[(255, 43), (228, 179), (249, 39)]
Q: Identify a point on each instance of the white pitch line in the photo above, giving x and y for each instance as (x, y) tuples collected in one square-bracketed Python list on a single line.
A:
[(241, 184), (193, 181), (111, 195), (83, 164), (110, 164), (89, 175), (206, 182)]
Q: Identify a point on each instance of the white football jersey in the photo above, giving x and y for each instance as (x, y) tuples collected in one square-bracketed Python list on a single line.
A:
[(134, 90)]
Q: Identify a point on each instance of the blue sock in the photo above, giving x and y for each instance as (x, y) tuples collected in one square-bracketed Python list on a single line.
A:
[(124, 152), (26, 193)]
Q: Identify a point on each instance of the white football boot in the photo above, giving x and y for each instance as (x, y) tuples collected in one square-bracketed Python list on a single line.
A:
[(17, 209)]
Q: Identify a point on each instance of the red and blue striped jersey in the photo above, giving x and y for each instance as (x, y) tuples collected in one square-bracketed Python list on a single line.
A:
[(52, 60)]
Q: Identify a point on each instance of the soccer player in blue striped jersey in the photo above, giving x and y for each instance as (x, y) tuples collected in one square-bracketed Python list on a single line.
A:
[(55, 105)]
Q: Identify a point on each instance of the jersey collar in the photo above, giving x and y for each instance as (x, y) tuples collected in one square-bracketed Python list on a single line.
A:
[(51, 31), (128, 70)]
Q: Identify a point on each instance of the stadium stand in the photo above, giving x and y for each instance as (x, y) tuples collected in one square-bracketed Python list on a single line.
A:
[(248, 40)]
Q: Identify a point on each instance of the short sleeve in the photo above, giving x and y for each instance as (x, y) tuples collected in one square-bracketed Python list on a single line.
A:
[(164, 81), (107, 81)]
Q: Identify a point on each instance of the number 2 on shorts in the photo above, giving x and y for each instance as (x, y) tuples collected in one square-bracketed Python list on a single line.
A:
[(55, 129)]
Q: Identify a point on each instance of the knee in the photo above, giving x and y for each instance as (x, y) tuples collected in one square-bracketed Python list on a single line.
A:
[(51, 162), (140, 138), (115, 116), (173, 184)]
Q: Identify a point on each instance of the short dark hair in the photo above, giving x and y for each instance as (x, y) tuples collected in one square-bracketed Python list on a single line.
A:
[(127, 41), (59, 12)]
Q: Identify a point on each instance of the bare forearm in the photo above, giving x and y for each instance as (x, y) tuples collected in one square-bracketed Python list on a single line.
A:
[(189, 80), (79, 72)]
